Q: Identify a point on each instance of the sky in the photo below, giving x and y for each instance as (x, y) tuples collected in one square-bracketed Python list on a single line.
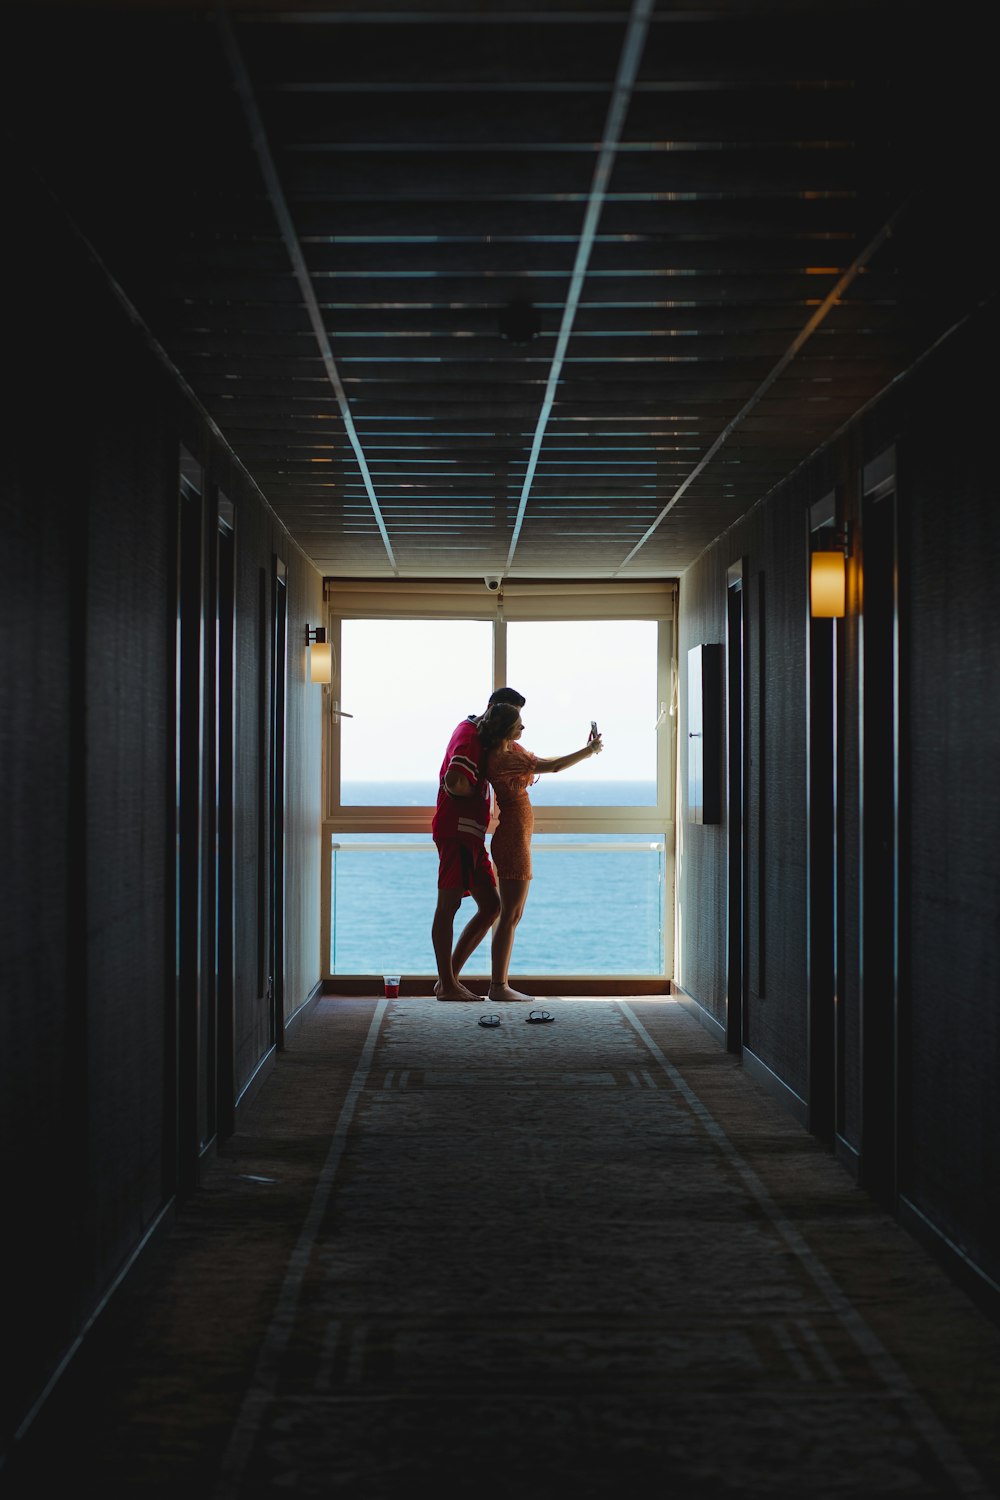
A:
[(407, 683)]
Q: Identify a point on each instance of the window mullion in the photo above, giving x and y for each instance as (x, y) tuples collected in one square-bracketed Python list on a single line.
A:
[(500, 653), (664, 746)]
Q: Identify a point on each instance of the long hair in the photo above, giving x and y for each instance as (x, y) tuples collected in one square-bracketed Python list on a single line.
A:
[(496, 724)]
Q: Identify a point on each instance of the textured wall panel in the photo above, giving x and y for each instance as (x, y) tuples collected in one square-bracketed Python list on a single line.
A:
[(940, 420), (88, 512), (701, 866), (772, 542), (952, 522)]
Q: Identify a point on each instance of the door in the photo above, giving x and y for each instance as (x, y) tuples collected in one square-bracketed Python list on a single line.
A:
[(223, 807), (276, 783), (825, 1043), (880, 825), (192, 1114)]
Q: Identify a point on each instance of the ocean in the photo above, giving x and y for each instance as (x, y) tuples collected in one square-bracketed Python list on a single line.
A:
[(595, 904)]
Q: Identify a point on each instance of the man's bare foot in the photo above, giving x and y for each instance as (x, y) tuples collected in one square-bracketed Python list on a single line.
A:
[(458, 993), (504, 992)]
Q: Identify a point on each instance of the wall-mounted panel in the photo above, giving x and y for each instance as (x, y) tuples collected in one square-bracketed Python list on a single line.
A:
[(704, 732)]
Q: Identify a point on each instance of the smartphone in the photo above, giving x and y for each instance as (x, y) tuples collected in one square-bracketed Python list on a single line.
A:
[(593, 729)]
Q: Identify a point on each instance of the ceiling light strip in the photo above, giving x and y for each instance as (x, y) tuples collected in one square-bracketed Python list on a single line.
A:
[(628, 67), (828, 303), (244, 88)]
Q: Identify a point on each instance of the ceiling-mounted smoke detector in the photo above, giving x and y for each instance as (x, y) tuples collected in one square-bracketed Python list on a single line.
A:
[(519, 322)]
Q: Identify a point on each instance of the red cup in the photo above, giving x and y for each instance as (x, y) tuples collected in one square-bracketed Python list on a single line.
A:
[(391, 982)]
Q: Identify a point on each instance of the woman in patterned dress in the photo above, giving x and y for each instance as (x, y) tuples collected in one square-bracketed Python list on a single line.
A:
[(510, 770)]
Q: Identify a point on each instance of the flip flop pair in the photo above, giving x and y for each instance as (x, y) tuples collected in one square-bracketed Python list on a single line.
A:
[(535, 1017)]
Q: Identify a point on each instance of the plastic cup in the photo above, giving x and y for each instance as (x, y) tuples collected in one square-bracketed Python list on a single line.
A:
[(391, 982)]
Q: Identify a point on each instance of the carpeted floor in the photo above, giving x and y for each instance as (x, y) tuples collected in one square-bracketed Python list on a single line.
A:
[(588, 1258)]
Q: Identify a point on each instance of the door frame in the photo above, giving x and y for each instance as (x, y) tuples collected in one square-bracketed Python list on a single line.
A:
[(224, 967), (736, 790), (188, 829), (824, 1019), (276, 797), (879, 729)]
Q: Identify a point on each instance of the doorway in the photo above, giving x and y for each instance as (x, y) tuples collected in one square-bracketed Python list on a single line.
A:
[(222, 843), (880, 831), (276, 784), (193, 1117), (825, 1046), (736, 680)]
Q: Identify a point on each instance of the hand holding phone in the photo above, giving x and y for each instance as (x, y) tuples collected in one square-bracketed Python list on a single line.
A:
[(594, 737)]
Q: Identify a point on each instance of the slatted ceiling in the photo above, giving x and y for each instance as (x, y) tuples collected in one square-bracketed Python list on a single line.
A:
[(437, 166)]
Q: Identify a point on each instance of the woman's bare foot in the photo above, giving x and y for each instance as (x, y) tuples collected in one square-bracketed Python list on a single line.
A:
[(504, 992), (458, 993)]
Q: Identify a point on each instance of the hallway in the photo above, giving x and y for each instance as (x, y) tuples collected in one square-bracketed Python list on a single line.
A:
[(578, 1259)]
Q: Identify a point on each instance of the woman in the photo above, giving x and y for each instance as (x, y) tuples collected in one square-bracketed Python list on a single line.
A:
[(510, 770)]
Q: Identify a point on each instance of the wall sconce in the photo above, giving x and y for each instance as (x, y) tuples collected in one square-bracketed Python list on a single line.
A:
[(320, 655), (828, 576), (321, 666)]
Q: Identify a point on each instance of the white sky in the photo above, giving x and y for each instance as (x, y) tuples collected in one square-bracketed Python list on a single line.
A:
[(409, 682)]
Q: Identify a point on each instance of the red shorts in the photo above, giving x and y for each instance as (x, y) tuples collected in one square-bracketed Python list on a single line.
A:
[(463, 864)]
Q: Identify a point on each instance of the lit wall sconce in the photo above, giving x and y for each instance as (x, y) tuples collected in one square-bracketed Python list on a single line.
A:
[(321, 667), (320, 655), (828, 577)]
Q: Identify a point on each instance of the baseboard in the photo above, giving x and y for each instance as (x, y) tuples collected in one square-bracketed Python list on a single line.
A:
[(410, 985), (849, 1156), (309, 1004), (704, 1017), (964, 1271), (776, 1087), (254, 1084), (135, 1264)]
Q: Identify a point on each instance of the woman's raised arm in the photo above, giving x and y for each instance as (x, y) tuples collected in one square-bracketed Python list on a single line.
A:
[(560, 762)]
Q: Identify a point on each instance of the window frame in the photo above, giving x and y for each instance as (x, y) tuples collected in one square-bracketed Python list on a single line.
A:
[(525, 603)]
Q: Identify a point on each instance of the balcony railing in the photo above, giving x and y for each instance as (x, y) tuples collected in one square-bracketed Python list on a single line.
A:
[(597, 905)]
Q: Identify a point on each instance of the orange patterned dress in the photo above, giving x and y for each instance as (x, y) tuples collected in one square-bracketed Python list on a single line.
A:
[(510, 774)]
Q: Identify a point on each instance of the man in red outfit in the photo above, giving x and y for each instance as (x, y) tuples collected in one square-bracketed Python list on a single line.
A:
[(459, 830)]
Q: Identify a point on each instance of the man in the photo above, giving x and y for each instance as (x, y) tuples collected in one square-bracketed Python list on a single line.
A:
[(459, 830)]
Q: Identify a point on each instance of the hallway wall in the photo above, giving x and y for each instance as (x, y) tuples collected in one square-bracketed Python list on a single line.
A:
[(949, 963), (88, 507)]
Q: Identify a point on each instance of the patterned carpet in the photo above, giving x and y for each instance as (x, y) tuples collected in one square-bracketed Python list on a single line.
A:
[(585, 1259)]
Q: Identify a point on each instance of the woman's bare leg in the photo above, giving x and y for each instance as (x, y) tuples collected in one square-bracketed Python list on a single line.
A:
[(487, 910), (513, 895)]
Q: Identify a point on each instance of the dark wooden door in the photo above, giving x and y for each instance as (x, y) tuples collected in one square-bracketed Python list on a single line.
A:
[(825, 1029), (191, 1118), (276, 780)]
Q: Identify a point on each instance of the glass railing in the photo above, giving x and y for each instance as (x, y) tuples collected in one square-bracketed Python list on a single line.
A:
[(596, 906)]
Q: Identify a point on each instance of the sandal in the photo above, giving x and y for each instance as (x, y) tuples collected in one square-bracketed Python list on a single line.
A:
[(489, 1020), (536, 1017)]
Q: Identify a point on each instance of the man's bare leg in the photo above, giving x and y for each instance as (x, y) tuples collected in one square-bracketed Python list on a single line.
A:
[(442, 936), (449, 963), (513, 895)]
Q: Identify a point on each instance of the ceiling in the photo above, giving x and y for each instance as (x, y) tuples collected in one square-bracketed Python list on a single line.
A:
[(724, 229)]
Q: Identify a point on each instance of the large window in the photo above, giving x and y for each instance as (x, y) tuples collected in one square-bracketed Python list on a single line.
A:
[(573, 671), (406, 683), (602, 895)]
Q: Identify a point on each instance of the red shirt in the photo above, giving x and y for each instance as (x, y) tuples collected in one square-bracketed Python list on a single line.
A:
[(463, 817)]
